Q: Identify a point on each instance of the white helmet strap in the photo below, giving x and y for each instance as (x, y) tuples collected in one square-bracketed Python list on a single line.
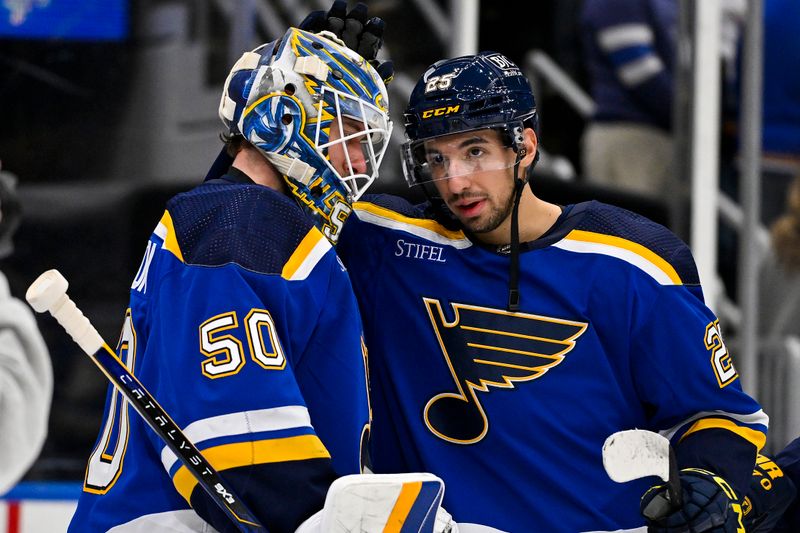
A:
[(312, 66), (292, 167)]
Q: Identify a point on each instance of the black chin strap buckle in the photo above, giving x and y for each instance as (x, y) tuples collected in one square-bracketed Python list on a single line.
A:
[(513, 300)]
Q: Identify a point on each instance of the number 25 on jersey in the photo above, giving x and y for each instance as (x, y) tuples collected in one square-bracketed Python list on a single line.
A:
[(720, 358)]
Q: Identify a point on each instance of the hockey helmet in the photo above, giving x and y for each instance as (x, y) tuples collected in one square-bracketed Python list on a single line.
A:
[(283, 98), (464, 94)]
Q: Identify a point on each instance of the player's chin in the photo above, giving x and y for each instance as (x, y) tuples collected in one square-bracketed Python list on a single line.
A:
[(476, 225)]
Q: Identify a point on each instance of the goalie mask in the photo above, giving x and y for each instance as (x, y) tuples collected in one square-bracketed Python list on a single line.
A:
[(464, 94), (284, 97)]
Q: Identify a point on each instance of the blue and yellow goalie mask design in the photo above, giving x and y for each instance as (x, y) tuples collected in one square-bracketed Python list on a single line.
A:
[(306, 102)]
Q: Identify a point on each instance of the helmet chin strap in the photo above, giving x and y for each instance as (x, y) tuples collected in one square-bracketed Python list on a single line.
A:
[(519, 186), (292, 167), (513, 272)]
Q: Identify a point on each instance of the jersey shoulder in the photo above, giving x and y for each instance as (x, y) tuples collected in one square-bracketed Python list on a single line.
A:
[(632, 236), (252, 226), (394, 213), (397, 205)]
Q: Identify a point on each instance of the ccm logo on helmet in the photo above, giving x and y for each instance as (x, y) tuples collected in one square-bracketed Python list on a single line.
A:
[(441, 111)]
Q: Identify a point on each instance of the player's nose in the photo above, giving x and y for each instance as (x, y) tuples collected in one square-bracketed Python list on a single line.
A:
[(458, 183), (357, 160)]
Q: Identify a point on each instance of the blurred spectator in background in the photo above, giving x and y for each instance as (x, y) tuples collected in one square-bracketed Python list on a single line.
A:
[(629, 48), (780, 273), (630, 53), (26, 378), (781, 104)]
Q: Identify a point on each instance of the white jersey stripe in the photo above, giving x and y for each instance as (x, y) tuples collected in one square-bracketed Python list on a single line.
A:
[(161, 231), (390, 223), (759, 417), (625, 35), (641, 70), (310, 261), (241, 423), (584, 247)]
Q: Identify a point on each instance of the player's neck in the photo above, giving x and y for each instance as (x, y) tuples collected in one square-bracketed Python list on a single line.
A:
[(535, 218), (250, 161)]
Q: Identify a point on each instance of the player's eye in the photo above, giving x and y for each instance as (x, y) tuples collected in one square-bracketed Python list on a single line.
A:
[(475, 152), (436, 160)]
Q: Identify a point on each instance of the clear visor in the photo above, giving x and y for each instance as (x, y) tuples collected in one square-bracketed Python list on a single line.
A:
[(454, 155), (359, 137)]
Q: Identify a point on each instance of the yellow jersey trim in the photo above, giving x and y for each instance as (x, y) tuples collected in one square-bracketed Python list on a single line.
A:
[(170, 238), (430, 225), (405, 501), (625, 244), (306, 255), (757, 438), (238, 454)]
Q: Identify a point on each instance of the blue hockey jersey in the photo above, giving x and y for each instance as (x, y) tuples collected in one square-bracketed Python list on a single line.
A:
[(511, 409), (243, 325), (629, 48)]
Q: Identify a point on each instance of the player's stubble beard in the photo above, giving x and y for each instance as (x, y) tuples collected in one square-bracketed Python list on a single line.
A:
[(499, 210)]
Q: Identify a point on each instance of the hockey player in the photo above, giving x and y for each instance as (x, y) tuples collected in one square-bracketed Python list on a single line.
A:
[(231, 324), (510, 336)]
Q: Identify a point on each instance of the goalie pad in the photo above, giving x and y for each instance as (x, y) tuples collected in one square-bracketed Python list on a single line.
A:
[(401, 503)]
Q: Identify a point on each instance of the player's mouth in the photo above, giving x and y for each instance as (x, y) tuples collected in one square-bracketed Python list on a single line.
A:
[(469, 208)]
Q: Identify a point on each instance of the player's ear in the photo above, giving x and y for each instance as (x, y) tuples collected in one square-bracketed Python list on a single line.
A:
[(531, 143)]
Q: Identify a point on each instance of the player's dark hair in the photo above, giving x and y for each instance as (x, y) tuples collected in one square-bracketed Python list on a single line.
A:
[(234, 142)]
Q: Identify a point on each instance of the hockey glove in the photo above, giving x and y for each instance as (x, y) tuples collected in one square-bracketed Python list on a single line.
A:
[(709, 504), (768, 497), (363, 35), (359, 33)]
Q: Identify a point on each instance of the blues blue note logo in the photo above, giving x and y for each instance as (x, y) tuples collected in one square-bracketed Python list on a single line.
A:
[(484, 348)]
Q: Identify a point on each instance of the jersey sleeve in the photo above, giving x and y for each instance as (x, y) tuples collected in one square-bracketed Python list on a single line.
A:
[(685, 376), (251, 363), (333, 379)]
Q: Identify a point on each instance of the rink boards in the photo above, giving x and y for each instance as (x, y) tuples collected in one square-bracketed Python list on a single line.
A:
[(39, 507)]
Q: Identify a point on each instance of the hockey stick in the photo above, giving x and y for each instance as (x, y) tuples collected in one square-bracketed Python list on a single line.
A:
[(49, 293), (637, 453)]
